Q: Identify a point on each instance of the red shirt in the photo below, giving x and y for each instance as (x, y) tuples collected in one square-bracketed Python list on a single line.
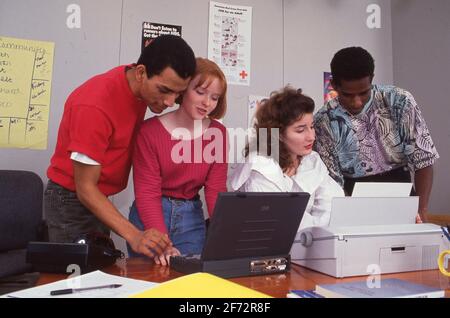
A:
[(156, 174), (100, 120)]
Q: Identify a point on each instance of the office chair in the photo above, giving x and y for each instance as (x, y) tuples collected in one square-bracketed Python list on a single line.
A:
[(21, 196)]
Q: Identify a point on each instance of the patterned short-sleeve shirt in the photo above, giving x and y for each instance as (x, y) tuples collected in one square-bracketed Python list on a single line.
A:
[(389, 133)]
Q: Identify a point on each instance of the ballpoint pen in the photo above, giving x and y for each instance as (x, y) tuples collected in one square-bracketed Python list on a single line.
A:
[(77, 290)]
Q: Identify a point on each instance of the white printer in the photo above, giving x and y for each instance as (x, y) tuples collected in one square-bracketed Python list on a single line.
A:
[(370, 236)]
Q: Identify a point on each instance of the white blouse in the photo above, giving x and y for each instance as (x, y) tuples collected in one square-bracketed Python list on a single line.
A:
[(264, 174)]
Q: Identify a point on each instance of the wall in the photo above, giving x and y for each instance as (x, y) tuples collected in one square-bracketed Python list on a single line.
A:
[(79, 54), (421, 46), (315, 30)]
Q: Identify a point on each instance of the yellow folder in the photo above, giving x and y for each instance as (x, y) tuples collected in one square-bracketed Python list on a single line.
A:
[(200, 285)]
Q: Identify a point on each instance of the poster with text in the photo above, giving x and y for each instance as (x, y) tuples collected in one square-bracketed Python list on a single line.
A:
[(328, 91), (253, 103), (229, 40), (152, 30), (26, 68)]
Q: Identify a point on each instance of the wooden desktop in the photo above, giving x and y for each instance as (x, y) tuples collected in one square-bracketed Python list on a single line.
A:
[(276, 285)]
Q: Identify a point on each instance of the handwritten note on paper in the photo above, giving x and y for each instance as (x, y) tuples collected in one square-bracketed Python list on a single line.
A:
[(25, 86)]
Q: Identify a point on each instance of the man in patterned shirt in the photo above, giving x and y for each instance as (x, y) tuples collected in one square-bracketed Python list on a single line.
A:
[(373, 132)]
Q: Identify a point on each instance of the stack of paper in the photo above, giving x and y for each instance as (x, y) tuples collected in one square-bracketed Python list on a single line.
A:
[(128, 287), (382, 189)]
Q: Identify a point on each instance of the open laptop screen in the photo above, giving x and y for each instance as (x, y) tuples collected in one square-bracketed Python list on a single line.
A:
[(249, 224)]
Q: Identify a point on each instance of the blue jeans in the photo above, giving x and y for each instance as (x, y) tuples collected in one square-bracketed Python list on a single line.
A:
[(184, 221)]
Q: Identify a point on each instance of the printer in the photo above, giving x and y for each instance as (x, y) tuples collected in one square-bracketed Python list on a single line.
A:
[(369, 235)]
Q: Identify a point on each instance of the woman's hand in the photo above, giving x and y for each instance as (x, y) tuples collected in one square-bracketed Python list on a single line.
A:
[(164, 259)]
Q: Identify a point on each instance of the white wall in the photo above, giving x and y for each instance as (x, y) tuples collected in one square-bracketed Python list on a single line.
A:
[(421, 46), (79, 54), (315, 30)]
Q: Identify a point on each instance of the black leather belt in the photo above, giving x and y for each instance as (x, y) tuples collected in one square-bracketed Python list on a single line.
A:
[(194, 198)]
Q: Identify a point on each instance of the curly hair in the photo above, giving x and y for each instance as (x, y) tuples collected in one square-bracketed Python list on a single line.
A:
[(279, 111), (351, 63)]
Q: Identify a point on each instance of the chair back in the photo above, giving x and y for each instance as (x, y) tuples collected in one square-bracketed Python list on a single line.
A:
[(21, 196)]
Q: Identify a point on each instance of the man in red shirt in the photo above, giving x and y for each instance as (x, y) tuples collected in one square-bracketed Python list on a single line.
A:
[(92, 159)]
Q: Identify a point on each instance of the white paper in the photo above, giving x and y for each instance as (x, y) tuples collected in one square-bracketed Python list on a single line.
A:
[(230, 39), (98, 278), (382, 189), (352, 211)]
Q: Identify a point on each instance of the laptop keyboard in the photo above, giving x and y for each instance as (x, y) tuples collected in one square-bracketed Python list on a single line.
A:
[(190, 259)]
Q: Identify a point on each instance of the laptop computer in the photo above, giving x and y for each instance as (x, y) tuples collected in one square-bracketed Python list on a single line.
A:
[(250, 233)]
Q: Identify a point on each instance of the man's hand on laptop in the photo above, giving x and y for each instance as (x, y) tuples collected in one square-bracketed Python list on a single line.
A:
[(164, 259), (151, 243)]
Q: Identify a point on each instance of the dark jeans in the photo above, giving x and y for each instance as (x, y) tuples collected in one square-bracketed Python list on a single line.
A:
[(184, 221), (66, 217), (397, 175)]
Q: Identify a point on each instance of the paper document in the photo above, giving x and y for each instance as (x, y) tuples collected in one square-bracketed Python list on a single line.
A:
[(26, 68), (97, 278), (351, 211), (382, 189), (230, 41)]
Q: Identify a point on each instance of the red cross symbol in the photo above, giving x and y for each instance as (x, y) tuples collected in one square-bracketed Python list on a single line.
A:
[(243, 74)]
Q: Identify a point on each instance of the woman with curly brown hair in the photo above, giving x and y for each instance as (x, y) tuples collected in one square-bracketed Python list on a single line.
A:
[(288, 163)]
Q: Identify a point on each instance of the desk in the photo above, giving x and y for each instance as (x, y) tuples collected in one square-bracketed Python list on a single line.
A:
[(276, 285)]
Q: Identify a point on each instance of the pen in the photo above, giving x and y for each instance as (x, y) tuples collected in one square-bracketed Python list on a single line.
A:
[(447, 235), (77, 290)]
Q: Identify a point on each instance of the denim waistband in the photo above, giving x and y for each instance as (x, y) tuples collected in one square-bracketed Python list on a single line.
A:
[(194, 198)]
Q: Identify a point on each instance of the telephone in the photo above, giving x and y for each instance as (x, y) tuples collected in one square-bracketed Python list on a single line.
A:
[(102, 242), (90, 251)]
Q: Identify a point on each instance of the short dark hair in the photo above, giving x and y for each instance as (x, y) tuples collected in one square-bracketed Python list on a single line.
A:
[(168, 51), (351, 63)]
